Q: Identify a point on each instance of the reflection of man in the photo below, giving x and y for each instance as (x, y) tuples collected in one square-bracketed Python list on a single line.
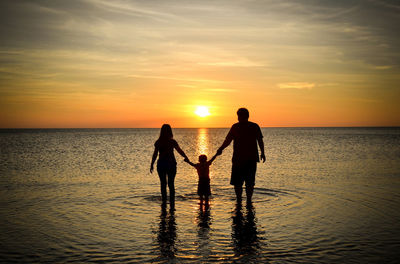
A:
[(245, 136), (245, 236)]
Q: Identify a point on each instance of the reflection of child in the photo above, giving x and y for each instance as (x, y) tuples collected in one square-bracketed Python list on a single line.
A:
[(203, 188)]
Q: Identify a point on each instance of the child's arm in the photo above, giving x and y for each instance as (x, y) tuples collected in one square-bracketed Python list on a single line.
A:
[(212, 159), (189, 162)]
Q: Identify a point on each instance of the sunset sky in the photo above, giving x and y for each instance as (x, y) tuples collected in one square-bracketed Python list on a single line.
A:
[(100, 63)]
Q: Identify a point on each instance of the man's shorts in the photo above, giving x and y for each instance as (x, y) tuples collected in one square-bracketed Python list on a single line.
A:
[(244, 172)]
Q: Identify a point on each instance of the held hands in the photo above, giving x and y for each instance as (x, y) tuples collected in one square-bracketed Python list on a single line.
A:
[(186, 160)]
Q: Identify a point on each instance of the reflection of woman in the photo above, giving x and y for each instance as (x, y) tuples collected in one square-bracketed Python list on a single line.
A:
[(167, 233), (166, 164)]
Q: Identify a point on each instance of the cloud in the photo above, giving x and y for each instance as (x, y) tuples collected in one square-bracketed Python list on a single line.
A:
[(297, 85), (192, 80), (383, 67), (221, 90), (238, 63)]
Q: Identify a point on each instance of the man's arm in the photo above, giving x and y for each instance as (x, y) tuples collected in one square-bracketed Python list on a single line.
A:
[(226, 143), (261, 145), (212, 159)]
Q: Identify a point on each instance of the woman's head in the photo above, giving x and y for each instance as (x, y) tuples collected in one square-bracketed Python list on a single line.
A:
[(166, 132)]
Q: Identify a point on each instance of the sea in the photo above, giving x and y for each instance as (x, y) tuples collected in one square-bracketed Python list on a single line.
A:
[(324, 195)]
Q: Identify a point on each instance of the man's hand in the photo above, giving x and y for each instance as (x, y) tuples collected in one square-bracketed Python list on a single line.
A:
[(263, 157), (151, 168), (186, 160)]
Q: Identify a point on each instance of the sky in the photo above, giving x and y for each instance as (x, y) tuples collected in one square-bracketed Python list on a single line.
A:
[(100, 63)]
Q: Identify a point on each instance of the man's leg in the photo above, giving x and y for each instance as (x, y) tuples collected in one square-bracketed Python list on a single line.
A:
[(238, 191), (236, 181), (249, 192), (250, 180)]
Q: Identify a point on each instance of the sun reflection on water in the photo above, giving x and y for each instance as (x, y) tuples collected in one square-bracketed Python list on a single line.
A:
[(202, 141)]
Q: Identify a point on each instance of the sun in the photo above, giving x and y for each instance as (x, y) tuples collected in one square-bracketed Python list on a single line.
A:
[(202, 111)]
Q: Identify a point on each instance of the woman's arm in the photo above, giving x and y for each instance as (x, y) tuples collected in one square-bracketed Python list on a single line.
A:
[(153, 159), (180, 151)]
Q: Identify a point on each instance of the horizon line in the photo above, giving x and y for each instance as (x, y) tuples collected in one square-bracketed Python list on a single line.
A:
[(9, 128)]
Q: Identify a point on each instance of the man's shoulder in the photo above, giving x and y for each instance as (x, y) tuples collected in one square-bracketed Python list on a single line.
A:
[(253, 124), (247, 125), (235, 125), (256, 129)]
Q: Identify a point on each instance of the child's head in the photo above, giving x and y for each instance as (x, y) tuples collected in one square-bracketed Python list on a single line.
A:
[(202, 158)]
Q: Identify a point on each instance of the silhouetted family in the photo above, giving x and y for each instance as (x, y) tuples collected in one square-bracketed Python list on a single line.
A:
[(245, 136)]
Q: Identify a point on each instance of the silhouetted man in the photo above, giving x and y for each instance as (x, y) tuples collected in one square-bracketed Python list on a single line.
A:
[(245, 136)]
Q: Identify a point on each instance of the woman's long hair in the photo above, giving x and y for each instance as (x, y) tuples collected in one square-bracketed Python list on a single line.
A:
[(166, 133)]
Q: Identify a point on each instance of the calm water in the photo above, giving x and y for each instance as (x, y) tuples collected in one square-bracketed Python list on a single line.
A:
[(325, 195)]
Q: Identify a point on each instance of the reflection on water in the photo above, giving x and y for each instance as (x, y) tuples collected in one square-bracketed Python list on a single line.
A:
[(202, 141), (166, 236), (245, 236), (203, 217), (203, 232)]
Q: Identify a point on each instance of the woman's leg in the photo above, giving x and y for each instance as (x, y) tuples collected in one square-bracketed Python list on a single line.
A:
[(171, 183), (162, 174)]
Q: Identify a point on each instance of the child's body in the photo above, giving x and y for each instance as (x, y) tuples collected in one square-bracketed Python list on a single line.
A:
[(203, 170)]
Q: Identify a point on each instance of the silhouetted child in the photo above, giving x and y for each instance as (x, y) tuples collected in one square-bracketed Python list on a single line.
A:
[(203, 170)]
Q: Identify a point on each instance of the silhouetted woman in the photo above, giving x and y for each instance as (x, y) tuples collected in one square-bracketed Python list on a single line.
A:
[(166, 164)]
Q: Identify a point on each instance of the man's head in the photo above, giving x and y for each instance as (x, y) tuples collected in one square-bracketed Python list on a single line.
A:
[(243, 114)]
